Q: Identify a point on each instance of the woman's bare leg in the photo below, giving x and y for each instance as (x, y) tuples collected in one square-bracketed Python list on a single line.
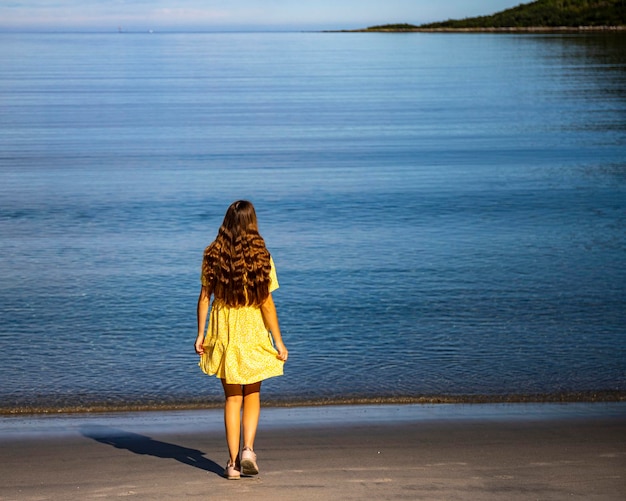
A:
[(232, 418), (251, 412)]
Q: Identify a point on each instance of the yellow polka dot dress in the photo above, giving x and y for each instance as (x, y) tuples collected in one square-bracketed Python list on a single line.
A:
[(238, 347)]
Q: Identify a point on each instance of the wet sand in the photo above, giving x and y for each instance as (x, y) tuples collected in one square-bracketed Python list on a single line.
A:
[(432, 452)]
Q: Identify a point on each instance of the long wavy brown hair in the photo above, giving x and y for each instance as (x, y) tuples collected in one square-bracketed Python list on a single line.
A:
[(236, 266)]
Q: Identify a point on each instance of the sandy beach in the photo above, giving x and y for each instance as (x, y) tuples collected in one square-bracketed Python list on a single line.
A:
[(431, 452)]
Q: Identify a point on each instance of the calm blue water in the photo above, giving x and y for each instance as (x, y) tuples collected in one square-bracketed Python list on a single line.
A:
[(447, 213)]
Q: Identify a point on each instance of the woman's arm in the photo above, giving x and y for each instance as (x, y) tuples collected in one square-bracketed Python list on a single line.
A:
[(201, 313), (270, 317)]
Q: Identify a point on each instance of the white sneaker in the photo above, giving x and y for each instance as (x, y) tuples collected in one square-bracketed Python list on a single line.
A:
[(231, 472), (248, 462)]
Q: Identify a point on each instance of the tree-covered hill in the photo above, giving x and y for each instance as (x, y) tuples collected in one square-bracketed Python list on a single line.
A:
[(538, 14)]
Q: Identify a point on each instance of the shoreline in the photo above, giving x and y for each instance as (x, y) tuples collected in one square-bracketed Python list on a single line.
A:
[(504, 29), (15, 428), (96, 406), (189, 421)]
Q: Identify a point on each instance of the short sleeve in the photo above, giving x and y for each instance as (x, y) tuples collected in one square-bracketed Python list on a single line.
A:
[(273, 277)]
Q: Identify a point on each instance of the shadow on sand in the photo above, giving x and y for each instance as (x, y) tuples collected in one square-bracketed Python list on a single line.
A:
[(140, 444)]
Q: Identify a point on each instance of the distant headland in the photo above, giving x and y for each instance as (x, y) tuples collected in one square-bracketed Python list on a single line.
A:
[(538, 16)]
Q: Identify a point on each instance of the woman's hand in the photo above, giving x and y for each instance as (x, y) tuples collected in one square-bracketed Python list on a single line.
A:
[(283, 354), (199, 345)]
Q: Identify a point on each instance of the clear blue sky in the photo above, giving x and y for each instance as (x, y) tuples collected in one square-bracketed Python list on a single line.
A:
[(139, 15)]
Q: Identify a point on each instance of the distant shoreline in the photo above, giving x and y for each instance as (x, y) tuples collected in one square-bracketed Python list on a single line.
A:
[(527, 29)]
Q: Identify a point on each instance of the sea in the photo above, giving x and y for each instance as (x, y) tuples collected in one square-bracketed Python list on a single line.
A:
[(446, 211)]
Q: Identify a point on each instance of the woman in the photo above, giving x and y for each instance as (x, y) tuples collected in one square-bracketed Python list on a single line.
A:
[(243, 344)]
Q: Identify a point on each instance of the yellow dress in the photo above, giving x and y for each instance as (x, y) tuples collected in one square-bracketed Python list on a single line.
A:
[(238, 347)]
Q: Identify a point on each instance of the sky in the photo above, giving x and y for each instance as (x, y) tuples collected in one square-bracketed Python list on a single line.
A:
[(225, 15)]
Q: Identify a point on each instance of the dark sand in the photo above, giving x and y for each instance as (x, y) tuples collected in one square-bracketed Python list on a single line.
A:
[(431, 452)]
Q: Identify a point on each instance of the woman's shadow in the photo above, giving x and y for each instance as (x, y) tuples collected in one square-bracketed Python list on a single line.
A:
[(140, 444)]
